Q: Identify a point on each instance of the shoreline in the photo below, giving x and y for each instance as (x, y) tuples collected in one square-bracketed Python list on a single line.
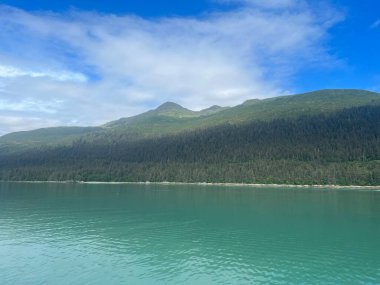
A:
[(255, 185)]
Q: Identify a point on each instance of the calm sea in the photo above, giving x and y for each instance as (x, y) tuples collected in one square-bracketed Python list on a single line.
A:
[(160, 234)]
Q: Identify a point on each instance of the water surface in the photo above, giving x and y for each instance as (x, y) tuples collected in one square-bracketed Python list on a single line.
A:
[(161, 234)]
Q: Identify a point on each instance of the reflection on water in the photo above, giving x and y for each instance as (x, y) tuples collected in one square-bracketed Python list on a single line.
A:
[(157, 234)]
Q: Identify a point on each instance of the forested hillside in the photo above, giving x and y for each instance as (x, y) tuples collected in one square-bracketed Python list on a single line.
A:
[(171, 118), (341, 147)]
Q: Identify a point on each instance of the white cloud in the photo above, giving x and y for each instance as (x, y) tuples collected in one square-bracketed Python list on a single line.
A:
[(11, 71), (91, 68), (30, 104), (11, 123)]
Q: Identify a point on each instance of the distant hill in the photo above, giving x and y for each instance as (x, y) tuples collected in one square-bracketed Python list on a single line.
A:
[(171, 118), (321, 137), (43, 137)]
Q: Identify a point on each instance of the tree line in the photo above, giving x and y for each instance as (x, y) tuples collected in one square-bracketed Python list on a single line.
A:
[(338, 148)]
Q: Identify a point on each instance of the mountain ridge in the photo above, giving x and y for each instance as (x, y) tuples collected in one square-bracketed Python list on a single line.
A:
[(336, 148), (170, 118)]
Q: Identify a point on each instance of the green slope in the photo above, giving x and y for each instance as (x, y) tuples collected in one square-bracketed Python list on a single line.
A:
[(154, 123), (167, 113), (168, 109), (323, 101), (342, 148), (44, 136), (171, 118)]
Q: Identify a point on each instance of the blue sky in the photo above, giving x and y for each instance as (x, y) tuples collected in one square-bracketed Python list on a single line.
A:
[(88, 62)]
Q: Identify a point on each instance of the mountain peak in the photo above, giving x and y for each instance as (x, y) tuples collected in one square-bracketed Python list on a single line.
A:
[(211, 110), (169, 106), (170, 109), (213, 107), (251, 102)]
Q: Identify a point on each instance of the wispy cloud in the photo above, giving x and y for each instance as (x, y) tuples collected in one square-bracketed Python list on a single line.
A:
[(92, 67), (375, 24), (268, 3), (11, 71), (11, 123)]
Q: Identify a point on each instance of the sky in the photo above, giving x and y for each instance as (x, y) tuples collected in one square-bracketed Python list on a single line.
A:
[(87, 62)]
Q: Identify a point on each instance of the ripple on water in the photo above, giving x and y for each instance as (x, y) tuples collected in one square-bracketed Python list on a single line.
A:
[(140, 235)]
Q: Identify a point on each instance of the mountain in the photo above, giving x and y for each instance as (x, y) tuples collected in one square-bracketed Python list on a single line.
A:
[(212, 110), (321, 137), (156, 123), (167, 110), (171, 118)]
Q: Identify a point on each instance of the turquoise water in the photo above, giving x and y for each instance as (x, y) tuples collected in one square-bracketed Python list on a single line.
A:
[(137, 234)]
